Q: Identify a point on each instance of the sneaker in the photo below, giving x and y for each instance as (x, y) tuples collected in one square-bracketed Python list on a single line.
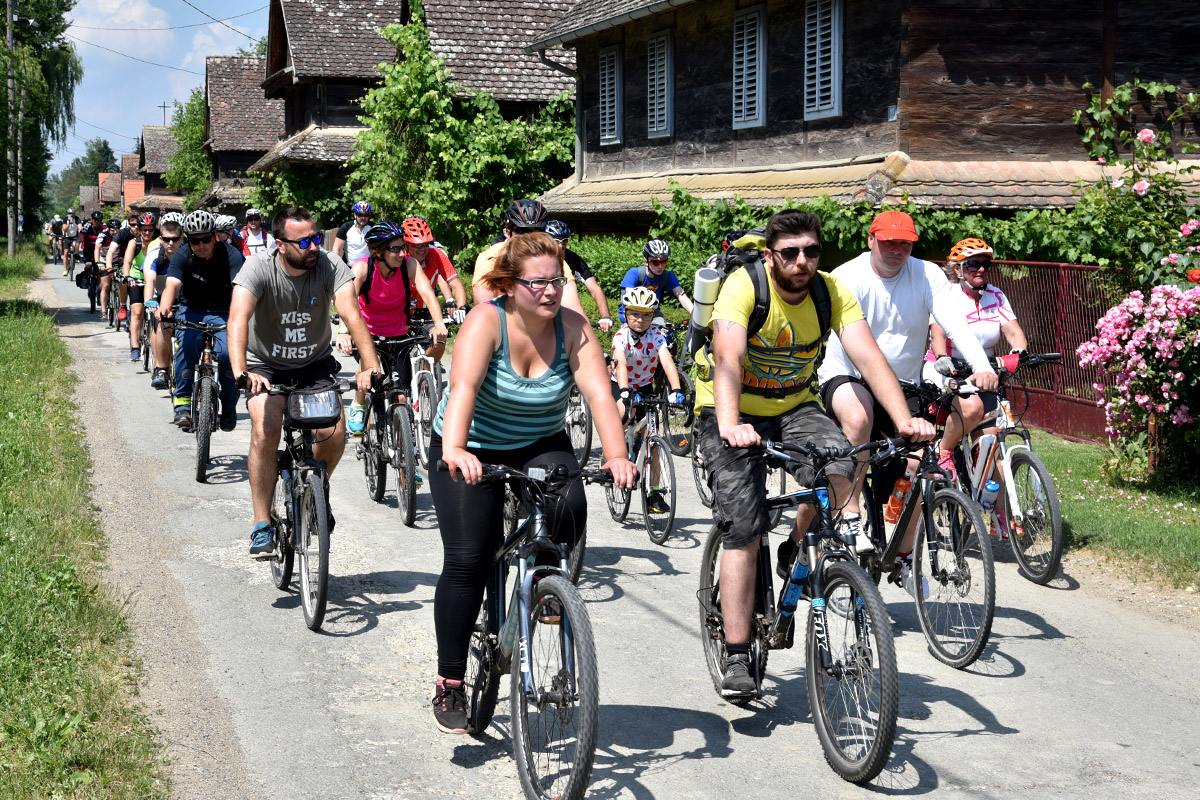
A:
[(356, 420), (946, 462), (135, 354), (862, 542), (787, 556), (999, 523), (183, 418), (737, 681), (64, 273), (656, 503), (450, 707), (159, 381), (910, 584), (121, 313), (228, 422), (418, 480), (262, 541)]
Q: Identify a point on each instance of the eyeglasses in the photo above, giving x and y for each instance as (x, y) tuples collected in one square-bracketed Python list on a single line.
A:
[(306, 242), (654, 262), (540, 284), (169, 239), (200, 239), (396, 248), (790, 254), (975, 264), (253, 219)]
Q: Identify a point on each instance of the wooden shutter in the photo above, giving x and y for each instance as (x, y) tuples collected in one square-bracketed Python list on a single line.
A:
[(749, 78), (822, 59), (610, 96), (659, 79)]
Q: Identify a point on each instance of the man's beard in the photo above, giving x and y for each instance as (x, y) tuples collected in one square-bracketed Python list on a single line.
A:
[(792, 284), (303, 262)]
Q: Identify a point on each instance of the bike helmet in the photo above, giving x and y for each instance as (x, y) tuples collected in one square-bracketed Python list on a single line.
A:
[(57, 218), (639, 298), (148, 219), (557, 229), (225, 222), (416, 231), (657, 250), (253, 212), (97, 215), (381, 233), (527, 214), (361, 207), (70, 210), (199, 222), (172, 216), (968, 248), (114, 224)]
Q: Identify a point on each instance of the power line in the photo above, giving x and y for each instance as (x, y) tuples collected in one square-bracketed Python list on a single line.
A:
[(222, 22), (135, 58), (172, 28), (106, 130)]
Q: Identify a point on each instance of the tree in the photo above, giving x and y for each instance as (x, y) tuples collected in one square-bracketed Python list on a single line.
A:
[(256, 50), (62, 190), (190, 168)]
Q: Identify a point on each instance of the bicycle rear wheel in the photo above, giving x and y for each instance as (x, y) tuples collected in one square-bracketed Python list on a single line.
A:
[(314, 550), (956, 595), (483, 674), (404, 461), (427, 405), (144, 342), (282, 521), (660, 518), (1035, 527), (677, 420), (855, 703), (554, 728), (700, 474), (371, 447), (204, 414), (579, 425)]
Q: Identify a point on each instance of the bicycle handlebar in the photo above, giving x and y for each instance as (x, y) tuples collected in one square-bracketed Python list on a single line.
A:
[(821, 456), (284, 389), (198, 326), (558, 476)]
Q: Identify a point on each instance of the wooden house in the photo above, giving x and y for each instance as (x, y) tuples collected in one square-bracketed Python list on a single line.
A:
[(158, 145)]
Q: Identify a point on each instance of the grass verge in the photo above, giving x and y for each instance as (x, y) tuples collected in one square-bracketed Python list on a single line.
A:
[(1141, 528), (68, 726)]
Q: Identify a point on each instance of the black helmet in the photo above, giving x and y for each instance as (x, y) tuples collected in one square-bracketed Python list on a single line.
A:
[(97, 215), (528, 214)]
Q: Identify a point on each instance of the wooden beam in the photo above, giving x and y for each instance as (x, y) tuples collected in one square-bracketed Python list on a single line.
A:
[(1108, 50)]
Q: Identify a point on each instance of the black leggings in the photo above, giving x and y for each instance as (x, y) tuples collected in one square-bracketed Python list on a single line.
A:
[(471, 520)]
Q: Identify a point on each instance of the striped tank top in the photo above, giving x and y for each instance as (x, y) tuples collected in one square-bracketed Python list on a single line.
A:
[(512, 411)]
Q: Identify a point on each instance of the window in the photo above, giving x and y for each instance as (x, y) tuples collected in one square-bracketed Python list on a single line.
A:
[(749, 76), (610, 96), (660, 71), (823, 59)]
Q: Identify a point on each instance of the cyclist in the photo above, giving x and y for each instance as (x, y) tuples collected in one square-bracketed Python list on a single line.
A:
[(516, 359), (254, 238), (764, 387), (350, 243), (420, 246), (279, 333), (136, 253), (385, 282), (115, 257), (103, 242), (654, 274), (227, 232), (638, 349), (89, 233), (559, 232), (70, 236), (155, 272), (201, 276), (897, 294), (522, 217), (54, 234)]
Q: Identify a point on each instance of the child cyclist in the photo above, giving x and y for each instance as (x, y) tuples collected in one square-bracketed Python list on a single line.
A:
[(639, 348), (655, 276)]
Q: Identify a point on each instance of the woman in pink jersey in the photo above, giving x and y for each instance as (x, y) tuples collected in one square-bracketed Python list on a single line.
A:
[(386, 282)]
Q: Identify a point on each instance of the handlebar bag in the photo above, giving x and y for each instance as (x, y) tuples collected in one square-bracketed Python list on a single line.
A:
[(310, 409)]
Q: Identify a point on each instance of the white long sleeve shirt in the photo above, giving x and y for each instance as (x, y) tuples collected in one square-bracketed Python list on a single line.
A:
[(898, 310)]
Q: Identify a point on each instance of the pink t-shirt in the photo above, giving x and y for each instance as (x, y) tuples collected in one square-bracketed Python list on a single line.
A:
[(641, 356), (385, 315)]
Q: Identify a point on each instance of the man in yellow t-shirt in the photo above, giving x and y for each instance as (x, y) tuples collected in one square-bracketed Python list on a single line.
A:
[(523, 216), (762, 387)]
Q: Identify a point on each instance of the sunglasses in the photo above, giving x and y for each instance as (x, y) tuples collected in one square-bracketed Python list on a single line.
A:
[(200, 239), (789, 254), (656, 262), (169, 239), (396, 248), (540, 284), (975, 264), (253, 219), (306, 242)]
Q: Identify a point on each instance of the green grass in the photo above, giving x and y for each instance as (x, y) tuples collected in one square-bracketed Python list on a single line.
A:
[(68, 723), (1144, 529)]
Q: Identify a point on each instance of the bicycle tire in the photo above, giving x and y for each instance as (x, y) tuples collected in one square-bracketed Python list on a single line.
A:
[(93, 291), (512, 511), (658, 525), (112, 305), (483, 674), (70, 265), (776, 474), (404, 462), (314, 550), (677, 420), (144, 342), (618, 501), (554, 738), (700, 475), (427, 403), (374, 463), (954, 609), (284, 558), (575, 557), (712, 624), (1038, 551), (579, 426), (202, 414), (863, 677)]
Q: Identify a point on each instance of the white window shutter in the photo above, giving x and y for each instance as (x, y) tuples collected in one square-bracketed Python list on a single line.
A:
[(749, 68), (822, 59), (610, 96), (659, 80)]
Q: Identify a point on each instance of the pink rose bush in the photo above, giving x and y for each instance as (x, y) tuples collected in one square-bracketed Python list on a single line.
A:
[(1146, 136), (1141, 187)]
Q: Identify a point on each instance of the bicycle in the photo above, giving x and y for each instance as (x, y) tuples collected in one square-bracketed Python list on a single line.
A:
[(579, 426), (204, 392), (300, 504), (425, 389), (69, 258), (676, 420), (851, 673), (1033, 520), (656, 471), (388, 429), (55, 249), (554, 685)]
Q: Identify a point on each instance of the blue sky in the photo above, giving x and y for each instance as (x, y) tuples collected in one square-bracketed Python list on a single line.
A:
[(120, 94)]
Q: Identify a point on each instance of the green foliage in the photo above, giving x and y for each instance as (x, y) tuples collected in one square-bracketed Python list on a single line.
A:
[(434, 149), (610, 257), (322, 190), (63, 191), (256, 50), (189, 168)]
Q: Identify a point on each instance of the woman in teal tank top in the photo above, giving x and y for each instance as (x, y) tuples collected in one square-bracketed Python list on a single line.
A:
[(515, 360)]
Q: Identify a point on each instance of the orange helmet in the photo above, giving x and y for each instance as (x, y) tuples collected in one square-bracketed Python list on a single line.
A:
[(416, 231), (967, 248)]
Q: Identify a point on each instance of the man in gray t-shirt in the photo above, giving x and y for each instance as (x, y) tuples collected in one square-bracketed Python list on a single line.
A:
[(279, 332)]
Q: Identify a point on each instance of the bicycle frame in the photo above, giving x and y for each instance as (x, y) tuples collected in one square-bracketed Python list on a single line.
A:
[(296, 453), (930, 477)]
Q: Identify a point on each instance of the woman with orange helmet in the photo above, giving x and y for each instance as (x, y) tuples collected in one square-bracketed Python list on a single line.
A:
[(419, 245)]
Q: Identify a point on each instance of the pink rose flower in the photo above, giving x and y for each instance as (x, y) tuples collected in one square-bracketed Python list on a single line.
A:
[(1141, 187), (1102, 160), (1117, 183), (1145, 136)]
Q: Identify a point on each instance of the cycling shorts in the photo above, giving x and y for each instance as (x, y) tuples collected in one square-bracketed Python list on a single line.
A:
[(137, 294)]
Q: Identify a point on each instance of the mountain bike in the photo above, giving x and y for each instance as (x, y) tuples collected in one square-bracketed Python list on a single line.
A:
[(579, 425), (676, 419), (205, 391), (656, 471), (554, 681), (69, 258), (425, 388), (851, 674), (300, 511), (388, 429)]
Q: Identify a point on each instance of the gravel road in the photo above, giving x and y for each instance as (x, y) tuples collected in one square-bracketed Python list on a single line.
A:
[(1080, 693)]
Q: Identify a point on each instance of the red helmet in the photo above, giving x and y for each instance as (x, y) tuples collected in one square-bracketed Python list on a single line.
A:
[(416, 231), (147, 219)]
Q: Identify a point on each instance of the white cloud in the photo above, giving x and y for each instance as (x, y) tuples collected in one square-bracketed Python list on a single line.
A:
[(211, 40), (114, 17)]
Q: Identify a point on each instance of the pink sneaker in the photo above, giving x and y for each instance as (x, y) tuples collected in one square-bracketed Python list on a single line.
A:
[(946, 462)]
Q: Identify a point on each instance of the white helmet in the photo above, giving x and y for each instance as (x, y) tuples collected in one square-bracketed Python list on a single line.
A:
[(639, 298), (198, 222), (172, 216)]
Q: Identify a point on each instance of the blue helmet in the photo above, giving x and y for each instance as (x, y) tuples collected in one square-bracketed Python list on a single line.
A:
[(557, 229), (362, 207)]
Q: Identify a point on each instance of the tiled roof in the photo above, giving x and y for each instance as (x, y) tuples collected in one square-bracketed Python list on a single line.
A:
[(129, 166), (89, 200), (158, 145), (110, 187), (482, 43), (592, 16), (312, 145), (340, 38), (995, 184), (158, 202), (240, 117)]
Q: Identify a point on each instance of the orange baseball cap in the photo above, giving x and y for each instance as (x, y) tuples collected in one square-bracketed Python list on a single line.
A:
[(894, 225)]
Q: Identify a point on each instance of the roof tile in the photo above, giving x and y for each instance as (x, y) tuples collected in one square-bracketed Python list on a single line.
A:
[(340, 38), (587, 16), (312, 145), (158, 145), (129, 166), (240, 117)]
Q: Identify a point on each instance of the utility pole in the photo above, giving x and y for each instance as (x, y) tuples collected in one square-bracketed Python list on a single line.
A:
[(20, 162), (164, 108), (12, 103)]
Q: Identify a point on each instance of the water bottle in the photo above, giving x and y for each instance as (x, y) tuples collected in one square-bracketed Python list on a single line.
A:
[(987, 500), (891, 514)]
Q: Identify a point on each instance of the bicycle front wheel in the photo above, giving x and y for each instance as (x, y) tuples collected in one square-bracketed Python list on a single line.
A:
[(374, 463), (658, 491), (144, 339), (427, 410), (203, 413), (483, 674), (954, 579), (855, 702), (404, 462), (314, 550), (282, 521), (618, 501), (712, 624), (554, 726), (579, 425), (1035, 525)]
